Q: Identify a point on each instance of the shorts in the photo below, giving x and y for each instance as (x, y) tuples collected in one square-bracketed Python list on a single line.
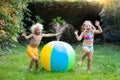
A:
[(32, 52), (90, 48)]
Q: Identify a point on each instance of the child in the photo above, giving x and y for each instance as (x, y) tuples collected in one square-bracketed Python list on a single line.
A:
[(88, 31), (36, 38)]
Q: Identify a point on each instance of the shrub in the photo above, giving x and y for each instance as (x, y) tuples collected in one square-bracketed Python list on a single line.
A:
[(11, 16)]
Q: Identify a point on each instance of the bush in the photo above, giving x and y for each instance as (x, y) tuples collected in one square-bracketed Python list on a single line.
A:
[(59, 20), (11, 16)]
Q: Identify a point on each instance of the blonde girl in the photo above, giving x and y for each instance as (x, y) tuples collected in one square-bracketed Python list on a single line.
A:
[(88, 31)]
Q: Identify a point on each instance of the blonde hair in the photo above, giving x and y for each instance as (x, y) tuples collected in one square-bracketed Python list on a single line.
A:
[(35, 26), (87, 22)]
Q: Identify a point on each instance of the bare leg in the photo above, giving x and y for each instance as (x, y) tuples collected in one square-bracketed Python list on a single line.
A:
[(36, 64), (89, 61), (83, 57), (85, 49), (31, 64)]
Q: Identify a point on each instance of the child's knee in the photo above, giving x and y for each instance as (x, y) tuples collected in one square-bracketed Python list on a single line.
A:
[(87, 52), (35, 58)]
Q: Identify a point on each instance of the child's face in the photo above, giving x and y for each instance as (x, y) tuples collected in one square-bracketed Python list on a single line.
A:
[(37, 30), (88, 26)]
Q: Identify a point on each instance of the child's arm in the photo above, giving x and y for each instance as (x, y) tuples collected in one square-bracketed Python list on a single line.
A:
[(97, 23), (78, 37), (27, 37), (50, 35)]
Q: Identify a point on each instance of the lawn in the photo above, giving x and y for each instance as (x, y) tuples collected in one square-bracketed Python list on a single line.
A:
[(106, 65)]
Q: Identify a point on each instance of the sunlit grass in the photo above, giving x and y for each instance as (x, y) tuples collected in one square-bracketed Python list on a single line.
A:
[(106, 65)]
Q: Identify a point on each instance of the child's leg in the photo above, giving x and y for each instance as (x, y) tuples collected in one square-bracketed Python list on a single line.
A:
[(83, 57), (36, 64), (89, 61), (31, 64), (85, 49)]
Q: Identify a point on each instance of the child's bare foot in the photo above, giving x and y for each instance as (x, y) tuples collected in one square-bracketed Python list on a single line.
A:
[(80, 63), (31, 70)]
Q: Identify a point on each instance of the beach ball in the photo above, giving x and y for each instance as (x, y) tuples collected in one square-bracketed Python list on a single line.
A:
[(57, 56)]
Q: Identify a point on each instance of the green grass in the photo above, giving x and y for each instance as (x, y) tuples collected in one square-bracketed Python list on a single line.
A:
[(106, 66)]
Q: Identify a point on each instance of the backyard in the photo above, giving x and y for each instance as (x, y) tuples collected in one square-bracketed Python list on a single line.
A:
[(105, 65), (63, 17)]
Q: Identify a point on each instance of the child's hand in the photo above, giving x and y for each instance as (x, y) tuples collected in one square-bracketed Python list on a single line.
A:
[(23, 34), (97, 23), (76, 32)]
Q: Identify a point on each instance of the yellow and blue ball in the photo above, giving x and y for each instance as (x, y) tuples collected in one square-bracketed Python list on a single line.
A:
[(57, 56)]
